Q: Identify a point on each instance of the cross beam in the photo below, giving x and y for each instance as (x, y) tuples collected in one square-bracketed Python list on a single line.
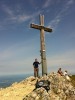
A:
[(42, 42), (39, 27)]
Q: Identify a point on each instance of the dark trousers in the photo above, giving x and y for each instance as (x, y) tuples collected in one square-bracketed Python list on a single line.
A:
[(36, 72)]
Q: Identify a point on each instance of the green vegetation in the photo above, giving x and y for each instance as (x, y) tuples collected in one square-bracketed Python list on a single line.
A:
[(73, 79)]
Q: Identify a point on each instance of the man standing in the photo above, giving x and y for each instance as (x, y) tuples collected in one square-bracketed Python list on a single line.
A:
[(36, 68)]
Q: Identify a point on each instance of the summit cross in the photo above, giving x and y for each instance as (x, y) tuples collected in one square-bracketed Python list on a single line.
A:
[(42, 42)]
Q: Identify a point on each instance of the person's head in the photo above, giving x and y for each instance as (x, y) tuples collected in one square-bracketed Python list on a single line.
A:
[(59, 68), (36, 59), (66, 71)]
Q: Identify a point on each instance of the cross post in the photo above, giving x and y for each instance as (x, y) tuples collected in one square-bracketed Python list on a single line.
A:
[(42, 42)]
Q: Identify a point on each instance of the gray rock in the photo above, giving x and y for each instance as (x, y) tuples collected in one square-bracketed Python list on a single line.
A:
[(60, 89)]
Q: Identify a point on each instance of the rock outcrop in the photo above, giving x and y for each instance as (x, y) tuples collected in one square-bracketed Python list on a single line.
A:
[(60, 89)]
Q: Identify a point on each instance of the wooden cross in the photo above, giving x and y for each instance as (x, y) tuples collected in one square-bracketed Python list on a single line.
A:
[(42, 42)]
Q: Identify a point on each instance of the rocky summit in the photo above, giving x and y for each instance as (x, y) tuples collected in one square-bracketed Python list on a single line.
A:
[(59, 89)]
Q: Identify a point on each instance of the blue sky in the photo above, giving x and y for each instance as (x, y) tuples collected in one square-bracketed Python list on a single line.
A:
[(20, 44)]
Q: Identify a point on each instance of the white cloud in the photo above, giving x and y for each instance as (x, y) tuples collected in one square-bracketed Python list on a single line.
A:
[(53, 24), (18, 58), (70, 2), (12, 17), (7, 10), (21, 17), (65, 59), (18, 55), (64, 11), (17, 48), (47, 3)]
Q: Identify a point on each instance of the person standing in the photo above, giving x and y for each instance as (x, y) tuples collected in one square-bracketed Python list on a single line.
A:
[(36, 68)]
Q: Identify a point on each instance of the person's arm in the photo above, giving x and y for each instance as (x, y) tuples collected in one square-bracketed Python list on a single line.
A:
[(39, 62)]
